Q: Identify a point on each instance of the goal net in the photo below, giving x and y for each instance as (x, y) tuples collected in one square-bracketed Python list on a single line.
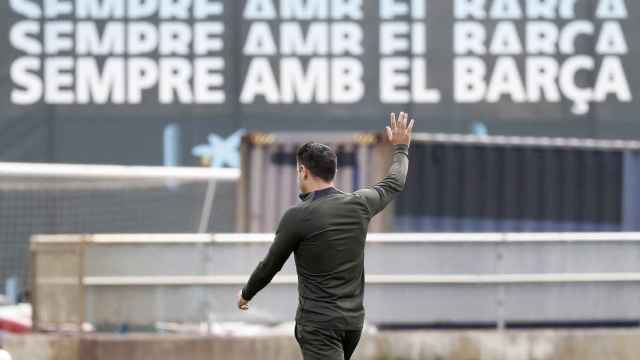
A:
[(74, 199)]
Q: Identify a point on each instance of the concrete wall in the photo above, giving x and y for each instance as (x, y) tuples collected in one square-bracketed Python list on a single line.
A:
[(487, 278), (42, 347), (416, 345)]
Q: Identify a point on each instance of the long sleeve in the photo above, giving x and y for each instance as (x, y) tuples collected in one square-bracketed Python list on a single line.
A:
[(378, 196), (286, 240)]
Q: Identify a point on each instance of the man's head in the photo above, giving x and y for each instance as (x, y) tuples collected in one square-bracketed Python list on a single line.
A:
[(316, 164)]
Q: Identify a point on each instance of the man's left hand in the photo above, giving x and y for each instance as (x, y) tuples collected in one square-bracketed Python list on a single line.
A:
[(242, 303)]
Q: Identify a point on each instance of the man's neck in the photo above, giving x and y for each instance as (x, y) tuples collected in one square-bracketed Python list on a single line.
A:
[(319, 186)]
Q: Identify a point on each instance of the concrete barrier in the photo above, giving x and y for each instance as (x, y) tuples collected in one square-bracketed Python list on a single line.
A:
[(480, 278), (42, 347), (411, 345)]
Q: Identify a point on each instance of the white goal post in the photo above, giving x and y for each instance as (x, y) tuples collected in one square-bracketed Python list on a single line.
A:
[(76, 171), (45, 198)]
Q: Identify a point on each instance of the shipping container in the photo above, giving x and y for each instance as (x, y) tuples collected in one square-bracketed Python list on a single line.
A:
[(460, 183), (268, 187)]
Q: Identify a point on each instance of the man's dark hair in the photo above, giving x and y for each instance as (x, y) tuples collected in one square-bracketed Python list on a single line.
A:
[(320, 159)]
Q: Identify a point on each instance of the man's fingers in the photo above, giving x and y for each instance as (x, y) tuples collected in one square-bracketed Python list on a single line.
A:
[(410, 129), (399, 125)]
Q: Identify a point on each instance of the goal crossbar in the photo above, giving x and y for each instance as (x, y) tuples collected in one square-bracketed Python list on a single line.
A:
[(77, 171)]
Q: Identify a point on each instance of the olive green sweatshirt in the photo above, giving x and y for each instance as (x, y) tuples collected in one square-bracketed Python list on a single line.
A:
[(327, 232)]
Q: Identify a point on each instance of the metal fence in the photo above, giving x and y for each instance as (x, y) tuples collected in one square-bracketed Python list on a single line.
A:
[(418, 279)]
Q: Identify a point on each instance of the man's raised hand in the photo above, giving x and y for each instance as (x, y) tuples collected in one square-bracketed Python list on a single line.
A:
[(399, 130)]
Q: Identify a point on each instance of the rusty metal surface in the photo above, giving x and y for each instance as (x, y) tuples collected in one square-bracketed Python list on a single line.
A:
[(268, 186)]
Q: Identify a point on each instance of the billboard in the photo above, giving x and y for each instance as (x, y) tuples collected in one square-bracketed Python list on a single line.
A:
[(86, 75)]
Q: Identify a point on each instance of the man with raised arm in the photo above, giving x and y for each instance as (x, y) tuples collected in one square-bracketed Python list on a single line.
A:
[(327, 232)]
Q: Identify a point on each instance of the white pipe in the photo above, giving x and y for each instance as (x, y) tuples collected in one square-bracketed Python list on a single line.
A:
[(207, 207)]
